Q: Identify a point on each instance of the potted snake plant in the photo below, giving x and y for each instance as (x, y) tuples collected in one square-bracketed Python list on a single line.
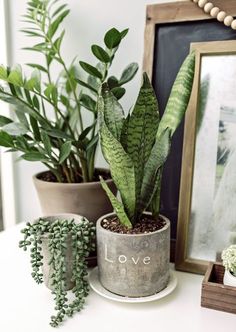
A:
[(133, 245), (51, 106)]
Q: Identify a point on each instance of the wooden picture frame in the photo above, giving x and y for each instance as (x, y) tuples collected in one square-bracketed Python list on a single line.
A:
[(183, 262), (174, 14)]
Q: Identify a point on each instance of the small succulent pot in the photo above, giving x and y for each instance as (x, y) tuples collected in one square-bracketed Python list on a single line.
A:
[(229, 278), (133, 265), (46, 268)]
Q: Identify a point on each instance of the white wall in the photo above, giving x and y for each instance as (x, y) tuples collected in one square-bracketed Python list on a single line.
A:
[(88, 21)]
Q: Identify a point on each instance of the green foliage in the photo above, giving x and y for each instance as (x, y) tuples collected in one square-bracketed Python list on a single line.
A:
[(136, 147), (50, 109), (56, 235)]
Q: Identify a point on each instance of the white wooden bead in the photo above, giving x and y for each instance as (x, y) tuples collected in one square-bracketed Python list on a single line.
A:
[(201, 3), (228, 20), (208, 7), (233, 25), (215, 11), (221, 16)]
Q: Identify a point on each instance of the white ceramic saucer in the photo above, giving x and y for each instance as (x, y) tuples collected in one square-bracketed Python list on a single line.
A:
[(98, 288)]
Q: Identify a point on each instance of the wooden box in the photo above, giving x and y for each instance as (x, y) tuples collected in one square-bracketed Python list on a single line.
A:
[(214, 294)]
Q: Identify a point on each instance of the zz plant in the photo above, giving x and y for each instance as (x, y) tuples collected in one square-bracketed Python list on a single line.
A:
[(50, 110), (137, 146), (58, 233)]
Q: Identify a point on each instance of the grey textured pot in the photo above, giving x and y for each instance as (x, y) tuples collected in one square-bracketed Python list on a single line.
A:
[(133, 265), (86, 199), (46, 268)]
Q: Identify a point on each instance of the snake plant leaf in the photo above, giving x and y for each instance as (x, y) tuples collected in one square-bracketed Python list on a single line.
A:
[(157, 158), (179, 97), (142, 128), (122, 168), (117, 206), (113, 113)]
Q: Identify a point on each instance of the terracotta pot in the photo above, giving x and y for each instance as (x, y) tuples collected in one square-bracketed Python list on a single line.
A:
[(133, 265), (46, 268), (86, 199)]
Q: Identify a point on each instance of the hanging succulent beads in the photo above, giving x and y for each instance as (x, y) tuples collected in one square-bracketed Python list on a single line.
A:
[(61, 236), (209, 8)]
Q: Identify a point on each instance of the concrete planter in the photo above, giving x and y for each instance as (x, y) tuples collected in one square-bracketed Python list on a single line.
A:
[(86, 199), (46, 268), (133, 265)]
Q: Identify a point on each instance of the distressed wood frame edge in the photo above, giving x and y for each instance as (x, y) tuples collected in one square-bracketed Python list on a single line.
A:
[(173, 12), (182, 261)]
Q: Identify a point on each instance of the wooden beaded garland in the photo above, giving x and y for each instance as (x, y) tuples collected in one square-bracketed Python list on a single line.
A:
[(201, 3), (215, 12), (221, 16), (208, 7), (228, 20)]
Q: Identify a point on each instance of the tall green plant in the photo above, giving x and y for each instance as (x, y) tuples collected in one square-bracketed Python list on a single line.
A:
[(136, 147), (50, 108)]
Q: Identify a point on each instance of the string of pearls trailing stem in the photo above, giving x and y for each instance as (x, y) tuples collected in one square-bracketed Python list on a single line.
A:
[(217, 13)]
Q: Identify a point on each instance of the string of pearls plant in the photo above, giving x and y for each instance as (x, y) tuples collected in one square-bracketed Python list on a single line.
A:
[(58, 234), (217, 13)]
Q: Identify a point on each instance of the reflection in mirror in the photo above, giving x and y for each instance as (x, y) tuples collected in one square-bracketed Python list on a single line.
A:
[(213, 211)]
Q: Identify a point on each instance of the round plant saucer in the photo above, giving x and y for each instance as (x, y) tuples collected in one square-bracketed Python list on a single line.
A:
[(98, 288)]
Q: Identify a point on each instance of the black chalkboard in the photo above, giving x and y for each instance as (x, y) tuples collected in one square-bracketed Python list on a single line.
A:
[(172, 44)]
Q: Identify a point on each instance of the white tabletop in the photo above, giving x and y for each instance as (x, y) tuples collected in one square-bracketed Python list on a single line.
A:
[(27, 307)]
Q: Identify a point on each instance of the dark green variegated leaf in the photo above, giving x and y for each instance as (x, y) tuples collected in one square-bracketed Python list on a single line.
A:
[(34, 156), (124, 33), (85, 132), (22, 107), (142, 129), (55, 24), (4, 120), (100, 53), (46, 142), (128, 73), (15, 129), (118, 92), (179, 97), (6, 140), (112, 82), (112, 112), (156, 160), (122, 169), (36, 65), (35, 128), (57, 133), (91, 70), (112, 38), (88, 102), (64, 151), (86, 85), (117, 206)]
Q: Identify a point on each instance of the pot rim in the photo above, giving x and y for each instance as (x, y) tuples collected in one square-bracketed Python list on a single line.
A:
[(84, 184), (98, 226)]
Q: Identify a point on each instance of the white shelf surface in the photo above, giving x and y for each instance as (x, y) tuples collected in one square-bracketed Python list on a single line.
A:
[(27, 307)]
